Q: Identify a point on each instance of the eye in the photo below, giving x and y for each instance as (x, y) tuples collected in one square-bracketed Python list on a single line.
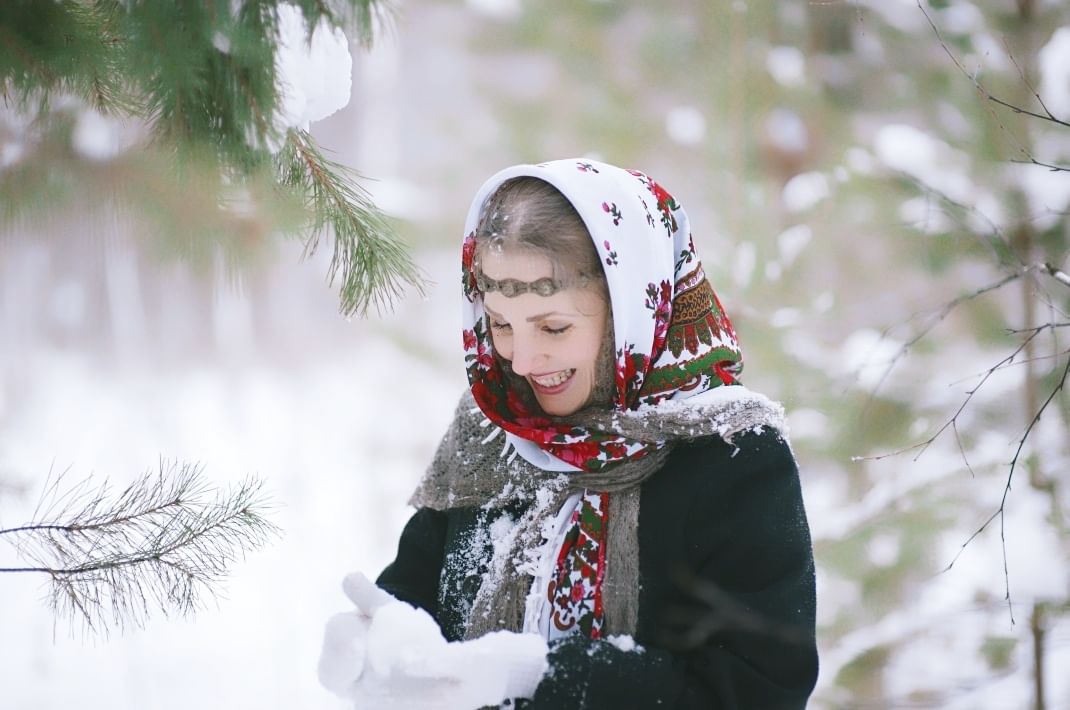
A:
[(556, 331), (500, 327)]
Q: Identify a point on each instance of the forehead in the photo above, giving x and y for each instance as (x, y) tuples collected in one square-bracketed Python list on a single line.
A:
[(520, 265)]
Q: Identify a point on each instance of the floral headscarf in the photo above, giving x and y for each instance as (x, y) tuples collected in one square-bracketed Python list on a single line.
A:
[(672, 338)]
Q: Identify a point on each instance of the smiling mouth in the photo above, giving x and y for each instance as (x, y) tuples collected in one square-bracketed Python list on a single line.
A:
[(554, 382)]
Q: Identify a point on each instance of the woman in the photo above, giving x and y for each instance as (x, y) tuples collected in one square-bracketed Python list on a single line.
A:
[(608, 497)]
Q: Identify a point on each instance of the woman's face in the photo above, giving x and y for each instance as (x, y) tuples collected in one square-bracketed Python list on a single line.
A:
[(552, 341)]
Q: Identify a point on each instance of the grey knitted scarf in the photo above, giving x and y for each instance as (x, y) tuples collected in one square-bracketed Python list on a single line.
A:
[(471, 469)]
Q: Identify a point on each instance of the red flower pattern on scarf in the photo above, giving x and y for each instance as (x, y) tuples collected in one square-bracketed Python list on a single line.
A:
[(654, 281)]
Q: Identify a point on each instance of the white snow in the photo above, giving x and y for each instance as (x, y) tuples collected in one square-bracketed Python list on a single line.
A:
[(785, 317), (743, 261), (867, 354), (785, 129), (10, 153), (95, 136), (925, 214), (497, 9), (787, 66), (929, 160), (625, 643), (410, 665), (685, 125), (960, 18), (1053, 62), (860, 161), (808, 424), (792, 241), (221, 42), (314, 75), (883, 549), (1048, 192), (805, 190)]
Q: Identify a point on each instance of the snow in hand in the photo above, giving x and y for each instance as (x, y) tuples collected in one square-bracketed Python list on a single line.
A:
[(388, 654), (313, 74)]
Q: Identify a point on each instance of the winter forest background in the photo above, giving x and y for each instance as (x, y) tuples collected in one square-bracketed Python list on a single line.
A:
[(888, 233)]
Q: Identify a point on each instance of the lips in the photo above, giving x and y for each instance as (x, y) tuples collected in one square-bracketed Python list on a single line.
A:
[(552, 383)]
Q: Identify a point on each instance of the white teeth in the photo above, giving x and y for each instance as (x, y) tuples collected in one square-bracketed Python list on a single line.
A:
[(555, 379)]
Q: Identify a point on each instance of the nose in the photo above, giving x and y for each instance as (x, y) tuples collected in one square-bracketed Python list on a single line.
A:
[(525, 357)]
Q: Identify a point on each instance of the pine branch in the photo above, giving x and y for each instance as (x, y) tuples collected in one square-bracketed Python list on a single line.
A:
[(370, 259), (162, 543), (202, 78)]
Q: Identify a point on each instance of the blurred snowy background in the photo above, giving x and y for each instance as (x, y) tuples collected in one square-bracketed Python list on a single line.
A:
[(842, 176)]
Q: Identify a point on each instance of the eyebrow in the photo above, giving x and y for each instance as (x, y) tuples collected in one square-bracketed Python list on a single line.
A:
[(533, 318)]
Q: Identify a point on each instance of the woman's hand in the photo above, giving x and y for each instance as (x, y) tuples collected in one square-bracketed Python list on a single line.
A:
[(388, 654), (345, 638)]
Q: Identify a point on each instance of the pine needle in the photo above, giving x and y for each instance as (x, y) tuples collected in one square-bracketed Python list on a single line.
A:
[(373, 264)]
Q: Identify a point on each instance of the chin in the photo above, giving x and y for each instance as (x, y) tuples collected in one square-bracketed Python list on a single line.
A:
[(559, 409)]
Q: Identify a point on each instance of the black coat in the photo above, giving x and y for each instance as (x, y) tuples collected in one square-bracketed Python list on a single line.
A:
[(726, 602)]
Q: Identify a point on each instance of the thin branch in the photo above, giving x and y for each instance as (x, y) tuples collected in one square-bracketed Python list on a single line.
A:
[(1046, 116), (1001, 511), (938, 317), (923, 445), (1050, 166), (1057, 274)]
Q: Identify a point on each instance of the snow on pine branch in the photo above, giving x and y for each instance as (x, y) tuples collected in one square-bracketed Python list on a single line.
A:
[(313, 70), (161, 543)]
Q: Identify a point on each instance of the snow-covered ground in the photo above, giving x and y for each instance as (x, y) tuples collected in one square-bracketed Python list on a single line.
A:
[(339, 435)]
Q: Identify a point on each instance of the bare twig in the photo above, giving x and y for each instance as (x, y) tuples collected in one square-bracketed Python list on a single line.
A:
[(1000, 511), (923, 445), (1045, 116), (937, 316)]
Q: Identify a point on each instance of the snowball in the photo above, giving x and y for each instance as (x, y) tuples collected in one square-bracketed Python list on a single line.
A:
[(404, 637), (313, 76)]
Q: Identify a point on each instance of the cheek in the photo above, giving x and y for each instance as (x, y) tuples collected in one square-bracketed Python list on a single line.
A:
[(592, 346), (503, 345)]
